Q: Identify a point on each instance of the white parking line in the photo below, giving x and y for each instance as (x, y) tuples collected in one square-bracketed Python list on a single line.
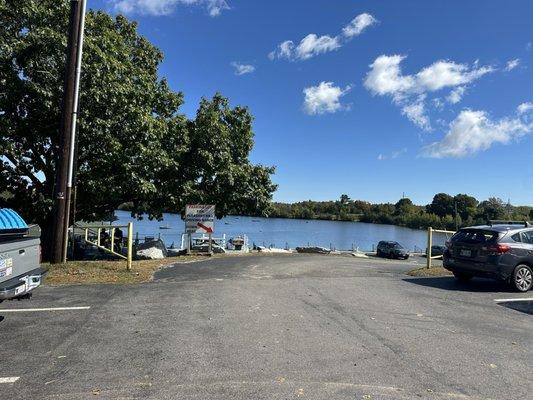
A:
[(11, 379), (15, 310), (512, 300)]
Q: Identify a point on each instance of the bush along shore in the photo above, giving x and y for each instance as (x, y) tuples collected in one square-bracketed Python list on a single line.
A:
[(444, 212)]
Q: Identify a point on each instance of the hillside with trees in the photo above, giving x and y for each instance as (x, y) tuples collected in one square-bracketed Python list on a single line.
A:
[(445, 211)]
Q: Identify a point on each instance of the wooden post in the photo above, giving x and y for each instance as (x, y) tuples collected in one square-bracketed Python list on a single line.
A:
[(430, 242), (112, 239), (210, 243), (130, 245)]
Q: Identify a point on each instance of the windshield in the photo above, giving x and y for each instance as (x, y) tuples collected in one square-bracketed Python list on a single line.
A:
[(475, 236)]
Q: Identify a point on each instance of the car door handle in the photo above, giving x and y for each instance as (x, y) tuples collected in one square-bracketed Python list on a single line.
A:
[(22, 252)]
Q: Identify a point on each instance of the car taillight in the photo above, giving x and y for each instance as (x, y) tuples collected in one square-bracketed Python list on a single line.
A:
[(499, 248)]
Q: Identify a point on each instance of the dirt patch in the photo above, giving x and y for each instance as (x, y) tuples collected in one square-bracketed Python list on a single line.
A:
[(428, 272), (86, 272)]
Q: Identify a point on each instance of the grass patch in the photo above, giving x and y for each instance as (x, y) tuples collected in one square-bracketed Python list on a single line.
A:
[(86, 272), (433, 271)]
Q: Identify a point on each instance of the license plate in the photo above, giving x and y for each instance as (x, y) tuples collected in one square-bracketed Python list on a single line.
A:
[(465, 253), (20, 289)]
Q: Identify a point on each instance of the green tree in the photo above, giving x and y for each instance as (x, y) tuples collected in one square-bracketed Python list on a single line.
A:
[(466, 205), (216, 164), (493, 208), (133, 144), (345, 199), (442, 205), (404, 207)]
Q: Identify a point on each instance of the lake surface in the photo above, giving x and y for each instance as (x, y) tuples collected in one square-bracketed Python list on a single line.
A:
[(279, 232)]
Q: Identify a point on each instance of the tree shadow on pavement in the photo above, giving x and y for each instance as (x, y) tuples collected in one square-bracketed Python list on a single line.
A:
[(452, 284)]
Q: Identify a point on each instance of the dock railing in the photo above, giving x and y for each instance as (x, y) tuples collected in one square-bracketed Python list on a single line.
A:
[(90, 231), (430, 244)]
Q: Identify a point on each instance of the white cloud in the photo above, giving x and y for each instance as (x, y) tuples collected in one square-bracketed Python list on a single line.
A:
[(393, 155), (242, 69), (525, 107), (385, 78), (324, 98), (438, 103), (313, 44), (166, 7), (416, 113), (309, 46), (474, 131), (358, 25), (443, 74), (284, 50), (512, 64), (456, 95)]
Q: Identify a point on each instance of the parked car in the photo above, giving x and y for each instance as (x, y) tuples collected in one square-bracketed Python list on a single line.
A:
[(20, 256), (391, 250), (503, 252), (436, 250)]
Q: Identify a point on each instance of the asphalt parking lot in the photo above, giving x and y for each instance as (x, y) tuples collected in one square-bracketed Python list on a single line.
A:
[(270, 327)]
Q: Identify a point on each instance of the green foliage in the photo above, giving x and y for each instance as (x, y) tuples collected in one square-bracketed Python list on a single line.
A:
[(466, 205), (493, 208), (442, 205), (134, 145), (405, 213)]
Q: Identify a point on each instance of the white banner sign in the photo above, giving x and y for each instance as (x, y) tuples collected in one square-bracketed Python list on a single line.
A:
[(199, 218)]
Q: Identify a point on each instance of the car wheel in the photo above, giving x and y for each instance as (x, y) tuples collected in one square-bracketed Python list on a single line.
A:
[(462, 276), (522, 278)]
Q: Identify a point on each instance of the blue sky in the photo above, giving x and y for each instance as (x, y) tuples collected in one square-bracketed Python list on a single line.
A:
[(369, 98)]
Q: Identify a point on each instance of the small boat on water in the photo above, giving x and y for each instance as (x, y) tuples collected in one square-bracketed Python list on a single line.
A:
[(167, 226)]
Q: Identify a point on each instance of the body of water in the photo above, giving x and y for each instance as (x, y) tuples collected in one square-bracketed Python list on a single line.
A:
[(279, 232)]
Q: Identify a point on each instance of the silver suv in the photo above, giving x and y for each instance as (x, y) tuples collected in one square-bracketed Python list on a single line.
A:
[(498, 250)]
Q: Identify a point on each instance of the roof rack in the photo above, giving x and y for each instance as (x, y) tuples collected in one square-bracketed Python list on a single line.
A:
[(492, 222)]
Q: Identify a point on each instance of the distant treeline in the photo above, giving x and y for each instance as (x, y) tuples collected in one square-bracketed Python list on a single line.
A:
[(444, 212)]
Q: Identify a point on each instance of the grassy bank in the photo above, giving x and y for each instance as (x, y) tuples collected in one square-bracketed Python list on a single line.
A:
[(90, 272), (429, 272)]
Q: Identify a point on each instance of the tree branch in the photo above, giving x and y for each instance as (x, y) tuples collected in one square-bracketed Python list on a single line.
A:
[(23, 171)]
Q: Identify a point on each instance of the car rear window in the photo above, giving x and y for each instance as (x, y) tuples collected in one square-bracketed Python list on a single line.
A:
[(475, 236)]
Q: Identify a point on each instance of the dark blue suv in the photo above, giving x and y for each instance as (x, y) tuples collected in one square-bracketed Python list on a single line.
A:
[(502, 251)]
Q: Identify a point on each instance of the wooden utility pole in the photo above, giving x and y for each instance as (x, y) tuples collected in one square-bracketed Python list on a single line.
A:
[(65, 127), (74, 119)]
